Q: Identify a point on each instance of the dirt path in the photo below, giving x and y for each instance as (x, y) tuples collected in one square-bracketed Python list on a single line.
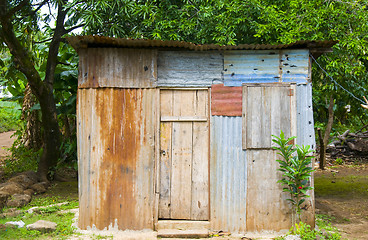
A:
[(5, 142), (342, 193)]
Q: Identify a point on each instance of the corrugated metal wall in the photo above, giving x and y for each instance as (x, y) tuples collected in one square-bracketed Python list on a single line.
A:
[(228, 175), (305, 133), (116, 137), (305, 123), (116, 171), (265, 66), (117, 67), (189, 69), (228, 170), (226, 101)]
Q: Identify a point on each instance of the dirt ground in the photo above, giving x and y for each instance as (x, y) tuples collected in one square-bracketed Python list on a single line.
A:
[(5, 142), (342, 193)]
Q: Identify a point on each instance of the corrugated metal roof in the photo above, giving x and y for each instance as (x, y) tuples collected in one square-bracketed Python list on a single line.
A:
[(101, 41)]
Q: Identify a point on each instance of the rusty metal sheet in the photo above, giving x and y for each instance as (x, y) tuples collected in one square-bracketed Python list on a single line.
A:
[(78, 42), (117, 67), (228, 175), (116, 132), (226, 101)]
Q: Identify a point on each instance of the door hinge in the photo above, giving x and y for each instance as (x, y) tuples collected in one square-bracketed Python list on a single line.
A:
[(291, 92)]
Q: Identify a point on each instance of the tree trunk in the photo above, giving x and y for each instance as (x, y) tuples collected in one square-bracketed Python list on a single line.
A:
[(31, 137), (322, 150), (324, 141), (51, 136), (43, 90)]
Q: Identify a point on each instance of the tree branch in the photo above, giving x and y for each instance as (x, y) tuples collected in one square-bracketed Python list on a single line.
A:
[(54, 45), (40, 5), (64, 63), (73, 28), (23, 60), (46, 40), (15, 9)]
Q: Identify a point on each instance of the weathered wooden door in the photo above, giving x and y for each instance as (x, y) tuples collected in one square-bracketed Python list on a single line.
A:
[(267, 110), (184, 155)]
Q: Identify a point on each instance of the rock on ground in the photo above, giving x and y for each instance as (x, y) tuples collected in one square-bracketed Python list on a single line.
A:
[(12, 188), (25, 179), (19, 200), (3, 198), (42, 226), (40, 187), (11, 212)]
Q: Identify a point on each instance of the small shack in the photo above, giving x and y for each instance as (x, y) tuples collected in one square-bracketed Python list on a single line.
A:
[(177, 132)]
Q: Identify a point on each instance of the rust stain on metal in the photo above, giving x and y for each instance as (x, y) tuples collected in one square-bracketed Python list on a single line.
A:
[(291, 92), (226, 101), (121, 132), (116, 187)]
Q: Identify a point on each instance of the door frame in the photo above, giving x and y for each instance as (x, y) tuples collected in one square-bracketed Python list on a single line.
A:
[(156, 183)]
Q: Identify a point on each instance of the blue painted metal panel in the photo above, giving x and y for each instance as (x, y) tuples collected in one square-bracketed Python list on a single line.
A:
[(265, 66), (295, 65), (228, 175), (305, 123)]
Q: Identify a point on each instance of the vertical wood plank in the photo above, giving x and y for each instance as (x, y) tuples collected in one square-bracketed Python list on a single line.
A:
[(200, 187), (279, 112), (181, 170), (166, 102), (156, 180), (165, 169), (293, 122), (258, 118), (200, 103), (183, 103)]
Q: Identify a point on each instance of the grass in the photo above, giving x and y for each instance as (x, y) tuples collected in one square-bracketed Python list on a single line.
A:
[(59, 192), (9, 116), (325, 230), (344, 186), (52, 213)]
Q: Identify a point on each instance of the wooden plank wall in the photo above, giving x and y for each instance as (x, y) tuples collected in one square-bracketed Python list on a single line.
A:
[(268, 109), (117, 67), (116, 134), (267, 208)]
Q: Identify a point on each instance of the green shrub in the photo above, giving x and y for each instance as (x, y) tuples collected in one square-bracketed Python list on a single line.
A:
[(295, 167), (9, 116)]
